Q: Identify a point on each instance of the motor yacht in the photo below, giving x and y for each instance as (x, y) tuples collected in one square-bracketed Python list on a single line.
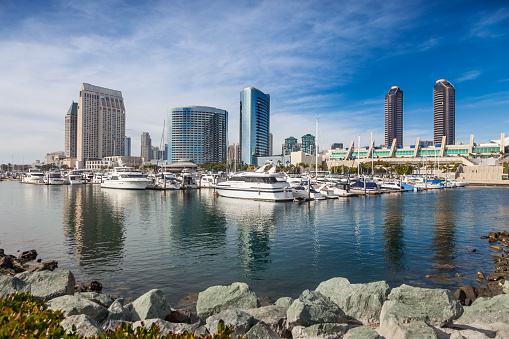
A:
[(125, 178), (164, 181), (259, 185), (343, 190), (75, 178), (34, 176), (53, 178)]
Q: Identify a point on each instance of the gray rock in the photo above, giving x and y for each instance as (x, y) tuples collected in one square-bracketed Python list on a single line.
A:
[(10, 285), (313, 308), (412, 330), (362, 302), (261, 331), (47, 284), (285, 302), (272, 316), (362, 332), (73, 305), (112, 325), (85, 326), (164, 326), (217, 299), (117, 311), (151, 305), (240, 321), (101, 299), (320, 331), (487, 310)]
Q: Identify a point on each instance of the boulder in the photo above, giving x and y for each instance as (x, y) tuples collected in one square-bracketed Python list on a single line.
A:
[(164, 326), (362, 332), (487, 310), (48, 285), (45, 266), (117, 311), (182, 316), (151, 305), (285, 302), (73, 305), (272, 316), (85, 326), (99, 298), (240, 321), (27, 256), (320, 331), (262, 331), (10, 285), (409, 311), (112, 325), (93, 286), (312, 308), (217, 299), (362, 302)]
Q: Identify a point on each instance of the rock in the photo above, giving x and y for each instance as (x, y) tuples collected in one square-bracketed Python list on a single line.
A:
[(27, 256), (93, 286), (495, 276), (85, 326), (497, 255), (47, 284), (112, 325), (492, 289), (416, 329), (6, 262), (460, 275), (261, 331), (117, 311), (164, 326), (472, 250), (496, 248), (312, 308), (484, 237), (45, 266), (150, 305), (362, 302), (240, 321), (494, 235), (409, 310), (285, 302), (505, 287), (273, 316), (216, 299), (99, 298), (73, 305), (470, 294), (322, 331), (362, 332), (10, 285), (181, 316), (481, 275), (2, 253), (487, 310)]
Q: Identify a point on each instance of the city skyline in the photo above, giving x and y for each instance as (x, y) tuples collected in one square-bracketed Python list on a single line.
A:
[(331, 61)]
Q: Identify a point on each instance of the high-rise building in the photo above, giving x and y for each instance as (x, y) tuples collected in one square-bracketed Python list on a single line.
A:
[(71, 131), (308, 144), (336, 145), (127, 146), (146, 147), (271, 143), (233, 151), (197, 133), (291, 145), (394, 116), (101, 124), (444, 112), (254, 125)]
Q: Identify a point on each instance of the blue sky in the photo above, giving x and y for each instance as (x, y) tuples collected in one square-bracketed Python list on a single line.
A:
[(328, 60)]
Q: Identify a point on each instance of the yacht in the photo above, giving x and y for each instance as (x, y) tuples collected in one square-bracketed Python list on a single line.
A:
[(343, 190), (209, 180), (365, 187), (187, 179), (259, 185), (164, 181), (34, 176), (125, 178), (75, 178), (53, 178)]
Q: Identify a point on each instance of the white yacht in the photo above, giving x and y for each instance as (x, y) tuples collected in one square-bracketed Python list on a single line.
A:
[(53, 178), (209, 180), (164, 181), (259, 185), (75, 178), (125, 178), (187, 179), (343, 190), (34, 176)]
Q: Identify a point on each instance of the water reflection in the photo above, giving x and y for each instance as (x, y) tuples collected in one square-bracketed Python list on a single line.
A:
[(443, 242), (393, 230), (94, 225)]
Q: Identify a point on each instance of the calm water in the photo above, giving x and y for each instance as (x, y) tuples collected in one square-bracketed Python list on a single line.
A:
[(185, 241)]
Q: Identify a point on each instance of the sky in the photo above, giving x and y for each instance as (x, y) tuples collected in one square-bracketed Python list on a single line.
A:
[(328, 60)]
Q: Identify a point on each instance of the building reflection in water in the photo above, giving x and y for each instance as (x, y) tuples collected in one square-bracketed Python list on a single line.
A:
[(393, 229), (443, 242), (94, 225)]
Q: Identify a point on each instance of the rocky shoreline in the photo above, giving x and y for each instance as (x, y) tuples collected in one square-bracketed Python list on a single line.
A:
[(335, 309)]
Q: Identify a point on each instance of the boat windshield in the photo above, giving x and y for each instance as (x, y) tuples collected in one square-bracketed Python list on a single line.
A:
[(131, 175), (267, 180)]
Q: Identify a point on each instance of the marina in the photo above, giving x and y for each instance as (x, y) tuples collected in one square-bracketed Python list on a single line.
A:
[(183, 241)]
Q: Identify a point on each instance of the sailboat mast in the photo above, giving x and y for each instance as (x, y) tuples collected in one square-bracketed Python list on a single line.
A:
[(316, 151)]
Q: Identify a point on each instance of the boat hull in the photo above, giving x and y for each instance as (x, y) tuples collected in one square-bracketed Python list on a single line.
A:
[(255, 194), (126, 185)]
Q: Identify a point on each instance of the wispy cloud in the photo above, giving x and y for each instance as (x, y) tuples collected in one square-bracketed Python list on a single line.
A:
[(470, 75)]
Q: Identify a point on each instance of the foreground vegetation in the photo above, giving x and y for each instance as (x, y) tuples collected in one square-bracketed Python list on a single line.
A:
[(22, 316)]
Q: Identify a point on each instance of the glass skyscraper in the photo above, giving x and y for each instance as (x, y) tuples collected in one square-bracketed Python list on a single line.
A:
[(308, 144), (254, 125), (394, 116), (197, 133), (444, 98)]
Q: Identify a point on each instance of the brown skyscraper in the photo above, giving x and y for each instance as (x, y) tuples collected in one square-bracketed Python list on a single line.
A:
[(444, 112), (394, 116)]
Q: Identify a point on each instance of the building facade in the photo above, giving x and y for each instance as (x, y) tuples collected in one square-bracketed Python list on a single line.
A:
[(254, 125), (308, 144), (127, 146), (291, 145), (271, 144), (146, 146), (394, 116), (197, 133), (71, 131), (101, 124), (336, 145), (444, 98)]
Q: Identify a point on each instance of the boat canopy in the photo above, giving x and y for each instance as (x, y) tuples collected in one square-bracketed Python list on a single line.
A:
[(361, 184)]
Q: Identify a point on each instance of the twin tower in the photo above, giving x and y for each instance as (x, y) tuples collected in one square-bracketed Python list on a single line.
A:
[(443, 118)]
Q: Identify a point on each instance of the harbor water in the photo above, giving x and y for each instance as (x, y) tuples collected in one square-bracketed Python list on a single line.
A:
[(183, 242)]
